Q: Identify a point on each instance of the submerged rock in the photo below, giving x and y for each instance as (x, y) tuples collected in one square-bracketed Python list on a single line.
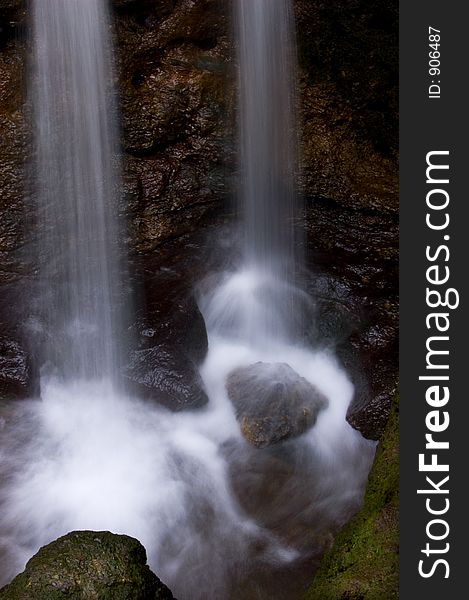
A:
[(88, 564), (272, 402)]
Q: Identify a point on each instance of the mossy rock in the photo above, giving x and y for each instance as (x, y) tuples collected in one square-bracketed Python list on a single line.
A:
[(364, 562), (88, 565)]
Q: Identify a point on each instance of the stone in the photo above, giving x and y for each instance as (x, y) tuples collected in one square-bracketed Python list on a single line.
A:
[(361, 330), (176, 84), (166, 376), (82, 565), (273, 403), (15, 369), (168, 338)]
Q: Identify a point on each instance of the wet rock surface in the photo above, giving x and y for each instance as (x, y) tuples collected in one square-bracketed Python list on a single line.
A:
[(168, 340), (15, 370), (88, 564), (273, 403), (12, 145), (18, 372), (175, 101), (175, 77), (349, 103), (11, 11), (167, 376), (349, 115), (360, 326)]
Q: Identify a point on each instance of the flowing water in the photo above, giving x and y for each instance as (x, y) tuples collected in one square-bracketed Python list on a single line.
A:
[(268, 160), (76, 185), (220, 520)]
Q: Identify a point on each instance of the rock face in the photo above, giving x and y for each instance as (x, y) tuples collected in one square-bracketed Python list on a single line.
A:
[(11, 11), (88, 564), (15, 369), (167, 376), (273, 403), (348, 57), (349, 127), (175, 80), (173, 66), (168, 339), (12, 139)]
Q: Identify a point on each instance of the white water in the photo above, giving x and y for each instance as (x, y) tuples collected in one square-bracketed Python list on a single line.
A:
[(84, 456), (76, 185), (267, 147)]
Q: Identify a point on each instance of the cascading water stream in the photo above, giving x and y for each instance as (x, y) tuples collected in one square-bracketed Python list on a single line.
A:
[(87, 456), (260, 301), (267, 144), (75, 187)]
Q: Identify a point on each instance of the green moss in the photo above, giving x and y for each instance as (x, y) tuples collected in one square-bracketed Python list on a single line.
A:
[(88, 564), (363, 564)]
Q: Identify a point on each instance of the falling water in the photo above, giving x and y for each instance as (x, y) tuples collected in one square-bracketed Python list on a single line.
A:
[(75, 185), (86, 456), (260, 300), (266, 42)]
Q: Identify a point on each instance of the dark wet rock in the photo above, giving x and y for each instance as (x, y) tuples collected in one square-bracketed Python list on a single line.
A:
[(175, 106), (88, 564), (269, 484), (174, 321), (12, 156), (15, 369), (11, 11), (169, 340), (350, 101), (349, 115), (19, 377), (272, 402), (371, 361), (167, 376), (362, 331)]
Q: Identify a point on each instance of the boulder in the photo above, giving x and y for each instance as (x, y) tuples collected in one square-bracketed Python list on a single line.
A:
[(168, 341), (361, 330), (369, 361), (13, 136), (167, 376), (173, 320), (273, 403), (88, 564)]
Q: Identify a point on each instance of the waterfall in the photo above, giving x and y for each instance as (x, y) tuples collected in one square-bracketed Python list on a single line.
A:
[(267, 141), (260, 302), (75, 186), (220, 518)]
